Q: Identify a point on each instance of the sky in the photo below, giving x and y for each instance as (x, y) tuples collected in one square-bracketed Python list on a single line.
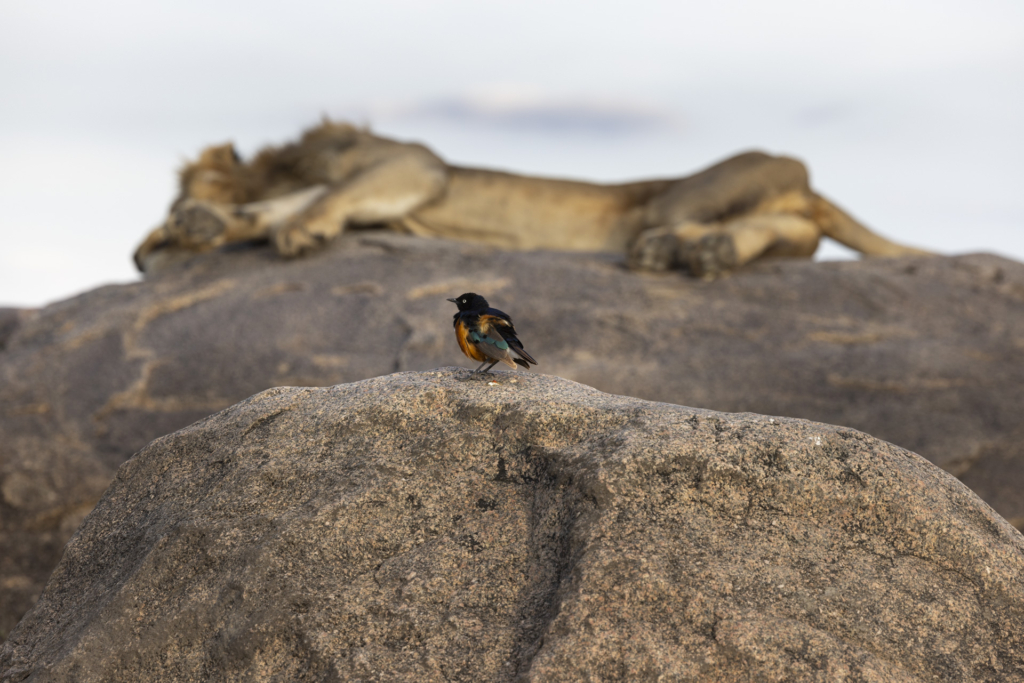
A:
[(907, 112)]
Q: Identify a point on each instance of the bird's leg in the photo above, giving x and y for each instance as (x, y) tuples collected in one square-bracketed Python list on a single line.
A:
[(482, 367)]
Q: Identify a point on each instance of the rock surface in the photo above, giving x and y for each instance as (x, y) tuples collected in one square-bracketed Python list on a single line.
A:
[(10, 320), (432, 527), (925, 353)]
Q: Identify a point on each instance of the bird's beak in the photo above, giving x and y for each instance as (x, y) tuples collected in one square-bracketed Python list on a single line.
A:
[(452, 300)]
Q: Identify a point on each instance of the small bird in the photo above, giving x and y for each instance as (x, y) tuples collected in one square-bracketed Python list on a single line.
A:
[(486, 334)]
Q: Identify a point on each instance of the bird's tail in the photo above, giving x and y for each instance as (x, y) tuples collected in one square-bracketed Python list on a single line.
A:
[(517, 347)]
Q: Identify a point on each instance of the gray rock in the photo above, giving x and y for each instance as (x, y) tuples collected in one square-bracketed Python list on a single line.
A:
[(10, 320), (925, 353), (432, 527)]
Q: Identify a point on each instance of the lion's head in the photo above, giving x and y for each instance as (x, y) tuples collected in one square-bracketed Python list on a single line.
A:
[(216, 176)]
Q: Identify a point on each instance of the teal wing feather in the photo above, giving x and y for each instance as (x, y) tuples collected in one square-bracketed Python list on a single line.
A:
[(488, 339), (500, 324)]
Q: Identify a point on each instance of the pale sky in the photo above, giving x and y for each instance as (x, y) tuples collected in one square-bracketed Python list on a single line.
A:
[(908, 113)]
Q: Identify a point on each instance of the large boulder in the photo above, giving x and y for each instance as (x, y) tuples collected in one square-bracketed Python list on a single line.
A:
[(436, 526), (10, 320), (926, 353)]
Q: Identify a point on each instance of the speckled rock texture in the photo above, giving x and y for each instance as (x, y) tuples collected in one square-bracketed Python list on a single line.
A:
[(433, 527), (10, 320), (925, 353)]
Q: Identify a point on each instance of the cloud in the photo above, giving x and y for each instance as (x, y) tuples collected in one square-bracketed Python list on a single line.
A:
[(823, 115), (510, 107)]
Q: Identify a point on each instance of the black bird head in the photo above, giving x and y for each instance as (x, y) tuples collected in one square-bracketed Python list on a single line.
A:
[(470, 302)]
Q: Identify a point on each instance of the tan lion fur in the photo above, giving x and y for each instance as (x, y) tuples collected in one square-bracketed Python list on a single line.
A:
[(337, 176)]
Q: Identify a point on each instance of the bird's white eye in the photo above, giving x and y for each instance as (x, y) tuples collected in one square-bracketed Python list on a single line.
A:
[(463, 301)]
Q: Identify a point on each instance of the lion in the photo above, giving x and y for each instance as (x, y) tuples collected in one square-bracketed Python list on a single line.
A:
[(340, 177)]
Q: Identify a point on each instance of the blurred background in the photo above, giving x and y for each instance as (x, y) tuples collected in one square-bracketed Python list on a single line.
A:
[(908, 112)]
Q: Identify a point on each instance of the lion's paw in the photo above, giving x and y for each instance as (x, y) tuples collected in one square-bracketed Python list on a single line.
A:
[(711, 255), (655, 249), (294, 240), (195, 227)]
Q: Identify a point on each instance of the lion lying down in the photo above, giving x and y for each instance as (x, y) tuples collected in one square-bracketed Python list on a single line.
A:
[(337, 176)]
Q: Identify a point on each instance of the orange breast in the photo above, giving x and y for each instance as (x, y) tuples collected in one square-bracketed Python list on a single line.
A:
[(462, 335)]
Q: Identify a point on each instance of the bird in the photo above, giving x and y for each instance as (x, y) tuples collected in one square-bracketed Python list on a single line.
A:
[(486, 334)]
